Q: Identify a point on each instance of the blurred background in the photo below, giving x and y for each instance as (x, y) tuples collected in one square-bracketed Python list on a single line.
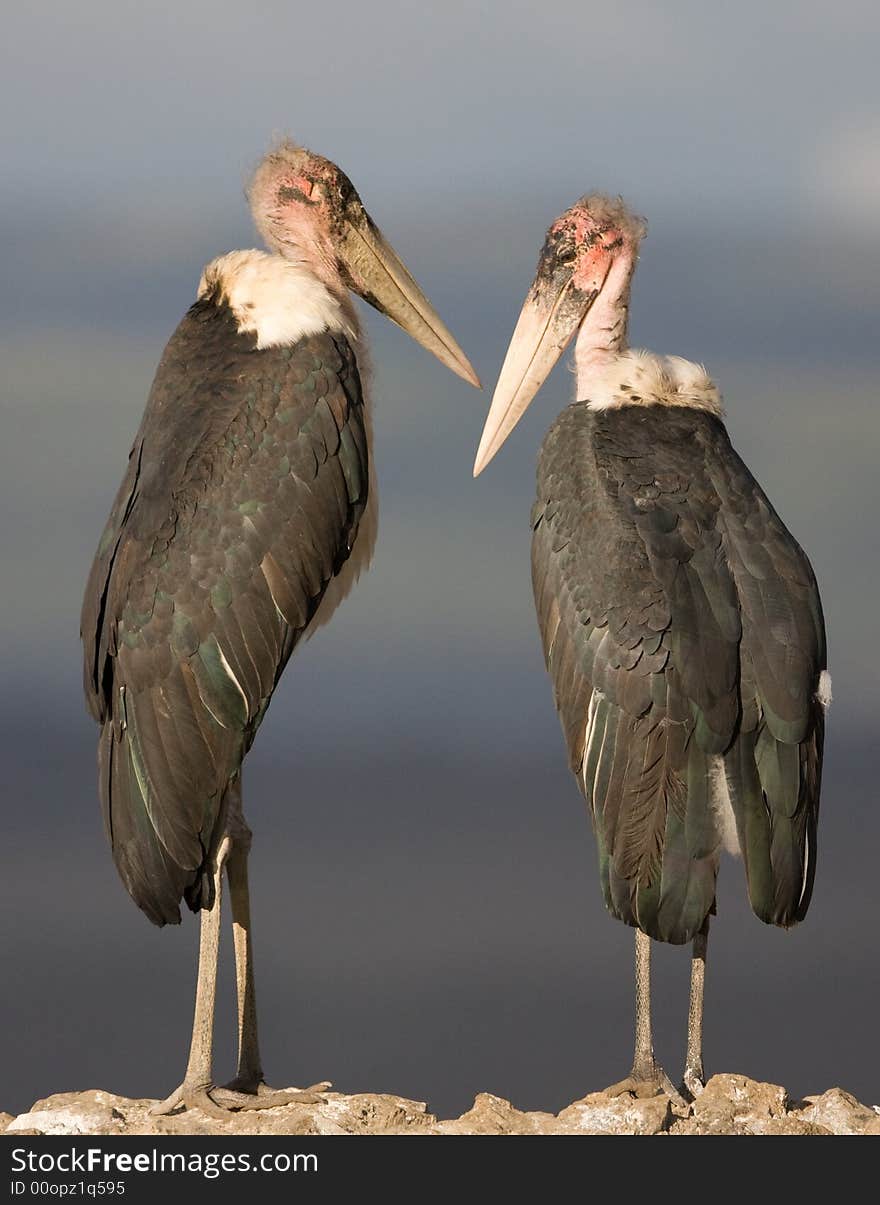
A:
[(428, 915)]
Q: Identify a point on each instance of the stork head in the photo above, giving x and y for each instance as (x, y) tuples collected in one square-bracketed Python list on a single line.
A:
[(582, 284), (307, 210)]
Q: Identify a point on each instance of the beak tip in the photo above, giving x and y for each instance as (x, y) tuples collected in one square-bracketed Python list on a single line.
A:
[(482, 459), (467, 374)]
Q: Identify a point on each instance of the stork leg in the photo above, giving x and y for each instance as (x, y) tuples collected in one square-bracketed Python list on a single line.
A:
[(249, 1070), (644, 1067), (193, 1093), (249, 1089), (694, 1077), (647, 1076)]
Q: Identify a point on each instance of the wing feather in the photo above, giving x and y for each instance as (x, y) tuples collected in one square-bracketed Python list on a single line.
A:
[(676, 613), (242, 499)]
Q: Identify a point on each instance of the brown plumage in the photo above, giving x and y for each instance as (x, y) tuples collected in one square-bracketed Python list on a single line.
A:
[(680, 620), (245, 514), (242, 499)]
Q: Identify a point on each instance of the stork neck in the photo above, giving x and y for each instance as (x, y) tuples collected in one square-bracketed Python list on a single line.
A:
[(602, 335), (304, 246)]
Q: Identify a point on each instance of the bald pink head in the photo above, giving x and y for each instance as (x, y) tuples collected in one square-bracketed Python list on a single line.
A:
[(308, 211), (581, 285), (299, 202), (584, 242)]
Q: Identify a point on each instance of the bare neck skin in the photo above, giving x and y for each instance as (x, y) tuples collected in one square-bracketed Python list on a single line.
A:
[(602, 334)]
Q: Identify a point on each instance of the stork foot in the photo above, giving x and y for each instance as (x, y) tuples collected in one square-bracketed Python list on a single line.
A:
[(244, 1095), (643, 1084), (189, 1097), (222, 1103), (641, 1088)]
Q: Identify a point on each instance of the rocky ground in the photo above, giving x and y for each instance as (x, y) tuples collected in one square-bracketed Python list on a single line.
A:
[(730, 1104)]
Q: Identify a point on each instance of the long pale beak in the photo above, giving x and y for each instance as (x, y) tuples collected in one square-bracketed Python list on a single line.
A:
[(380, 276), (547, 322)]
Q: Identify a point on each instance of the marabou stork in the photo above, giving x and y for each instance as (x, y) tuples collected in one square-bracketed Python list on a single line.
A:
[(246, 514), (680, 620)]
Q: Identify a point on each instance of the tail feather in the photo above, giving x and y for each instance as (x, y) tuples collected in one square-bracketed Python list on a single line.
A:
[(775, 796)]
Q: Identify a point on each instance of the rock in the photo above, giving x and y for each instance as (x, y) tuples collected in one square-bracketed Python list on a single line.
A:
[(729, 1104), (839, 1113), (788, 1125), (623, 1113), (735, 1104), (493, 1115), (365, 1113), (92, 1112), (103, 1113)]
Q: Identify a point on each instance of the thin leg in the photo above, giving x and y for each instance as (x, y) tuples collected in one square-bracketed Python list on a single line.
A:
[(249, 1072), (193, 1092), (248, 1089), (694, 1079), (644, 1067), (647, 1076)]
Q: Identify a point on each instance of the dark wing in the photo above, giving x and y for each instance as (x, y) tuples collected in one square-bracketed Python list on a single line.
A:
[(242, 500), (638, 597), (774, 768)]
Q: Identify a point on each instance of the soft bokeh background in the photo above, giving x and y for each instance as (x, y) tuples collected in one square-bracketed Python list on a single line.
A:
[(428, 916)]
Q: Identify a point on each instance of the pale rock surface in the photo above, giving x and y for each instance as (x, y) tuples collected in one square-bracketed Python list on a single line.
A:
[(493, 1115), (736, 1104), (730, 1104), (840, 1113), (599, 1113), (73, 1113)]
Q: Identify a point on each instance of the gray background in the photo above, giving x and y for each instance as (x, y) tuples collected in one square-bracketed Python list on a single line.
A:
[(428, 916)]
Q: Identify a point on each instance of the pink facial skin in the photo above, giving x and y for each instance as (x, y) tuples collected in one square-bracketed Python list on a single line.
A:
[(584, 273), (589, 233), (299, 201)]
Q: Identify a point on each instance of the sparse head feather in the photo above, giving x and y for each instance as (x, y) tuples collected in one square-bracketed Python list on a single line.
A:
[(603, 212)]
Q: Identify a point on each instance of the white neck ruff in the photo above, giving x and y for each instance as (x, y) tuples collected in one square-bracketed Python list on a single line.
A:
[(278, 300), (640, 378)]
